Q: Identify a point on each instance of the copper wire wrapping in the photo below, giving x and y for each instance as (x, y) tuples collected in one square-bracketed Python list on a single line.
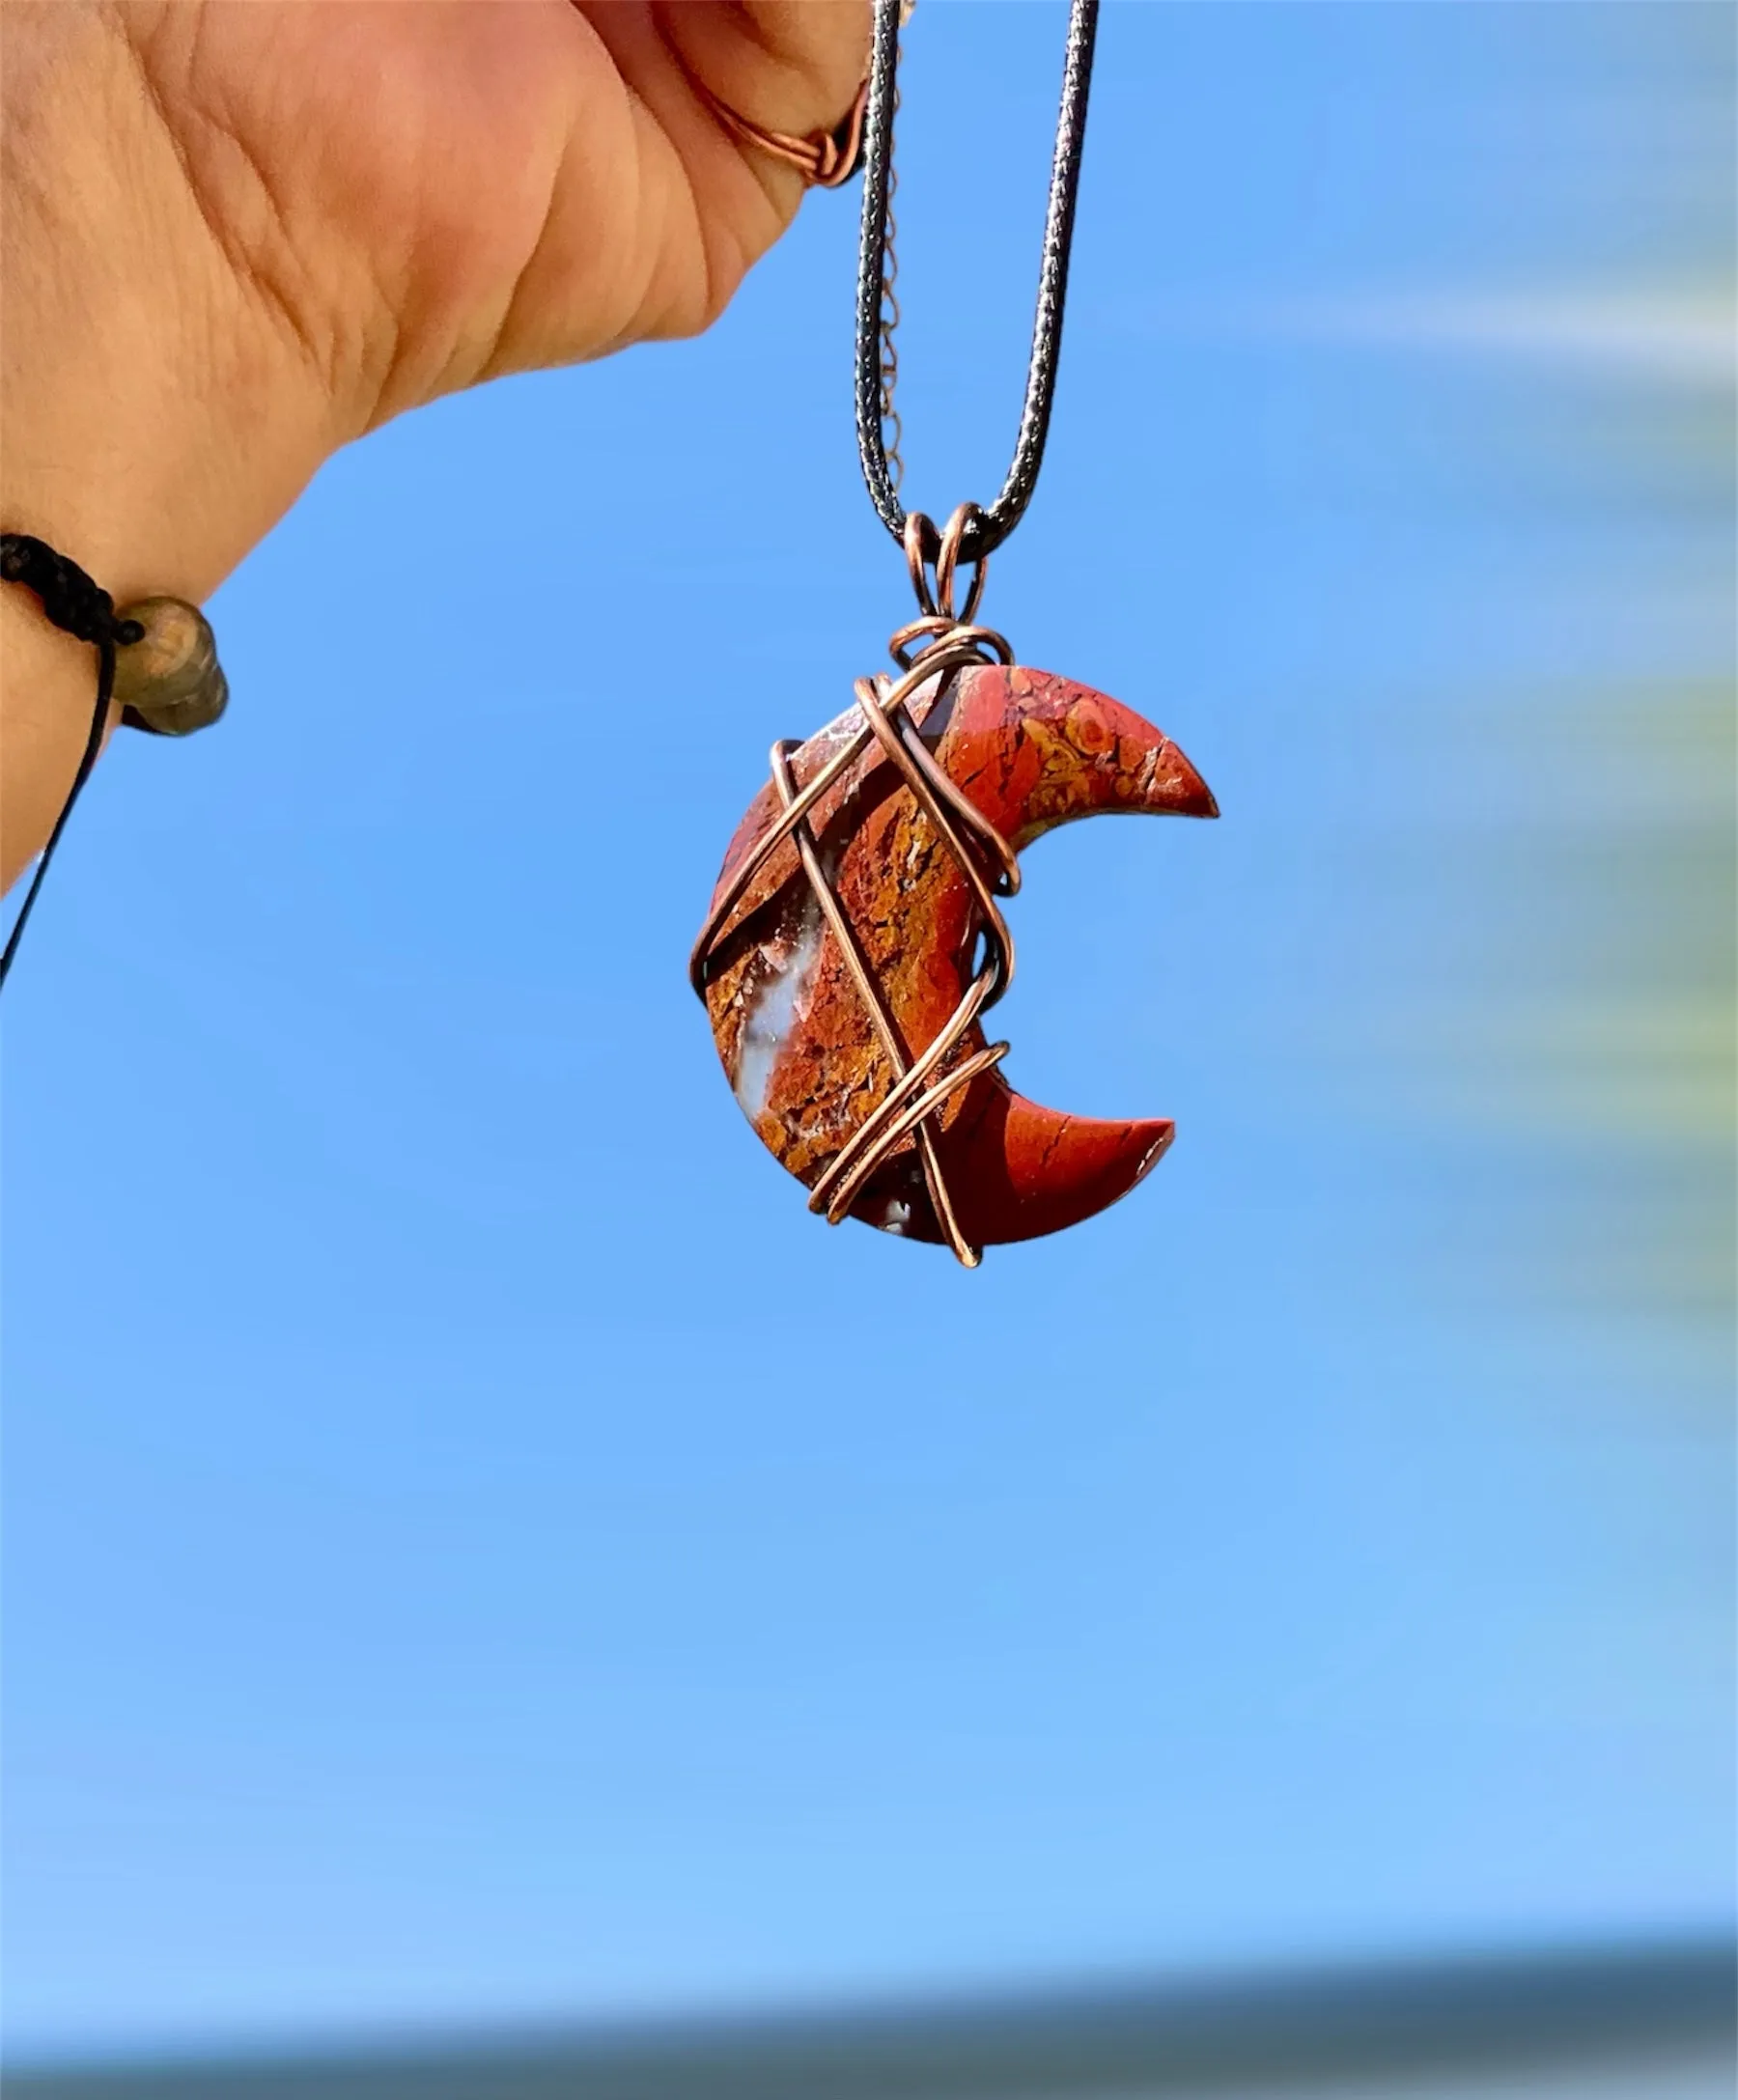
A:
[(825, 159), (937, 646)]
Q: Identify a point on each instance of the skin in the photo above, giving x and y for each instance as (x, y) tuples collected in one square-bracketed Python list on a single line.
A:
[(236, 234)]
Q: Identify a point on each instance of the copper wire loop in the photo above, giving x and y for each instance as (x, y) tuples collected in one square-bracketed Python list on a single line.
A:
[(825, 159), (939, 645)]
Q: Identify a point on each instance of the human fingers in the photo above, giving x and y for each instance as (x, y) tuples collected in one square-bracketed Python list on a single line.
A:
[(702, 202)]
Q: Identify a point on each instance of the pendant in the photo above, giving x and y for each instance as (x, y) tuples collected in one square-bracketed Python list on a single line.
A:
[(855, 940)]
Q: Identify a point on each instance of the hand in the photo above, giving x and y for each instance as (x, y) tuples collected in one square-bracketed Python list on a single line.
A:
[(419, 194), (237, 234)]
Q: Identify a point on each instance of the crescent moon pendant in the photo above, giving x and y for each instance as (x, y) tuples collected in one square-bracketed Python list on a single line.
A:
[(809, 1061)]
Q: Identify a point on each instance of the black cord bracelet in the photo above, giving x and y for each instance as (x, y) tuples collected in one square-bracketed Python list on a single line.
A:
[(159, 656)]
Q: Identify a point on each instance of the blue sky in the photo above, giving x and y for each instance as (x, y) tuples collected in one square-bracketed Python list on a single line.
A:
[(476, 1547)]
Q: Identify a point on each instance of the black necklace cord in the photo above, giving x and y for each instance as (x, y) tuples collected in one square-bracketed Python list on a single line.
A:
[(80, 607), (989, 527)]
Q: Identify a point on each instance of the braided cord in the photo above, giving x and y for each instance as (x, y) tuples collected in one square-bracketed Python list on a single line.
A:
[(873, 381), (80, 607)]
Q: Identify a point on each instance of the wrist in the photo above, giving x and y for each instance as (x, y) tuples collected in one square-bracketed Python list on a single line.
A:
[(155, 423)]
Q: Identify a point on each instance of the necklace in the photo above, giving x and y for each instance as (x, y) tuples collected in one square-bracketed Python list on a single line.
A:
[(855, 939)]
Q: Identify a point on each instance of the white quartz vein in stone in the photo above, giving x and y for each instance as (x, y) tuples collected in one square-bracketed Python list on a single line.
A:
[(769, 1020)]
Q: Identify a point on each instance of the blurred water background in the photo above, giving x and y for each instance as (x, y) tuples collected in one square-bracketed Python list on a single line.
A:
[(477, 1552)]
